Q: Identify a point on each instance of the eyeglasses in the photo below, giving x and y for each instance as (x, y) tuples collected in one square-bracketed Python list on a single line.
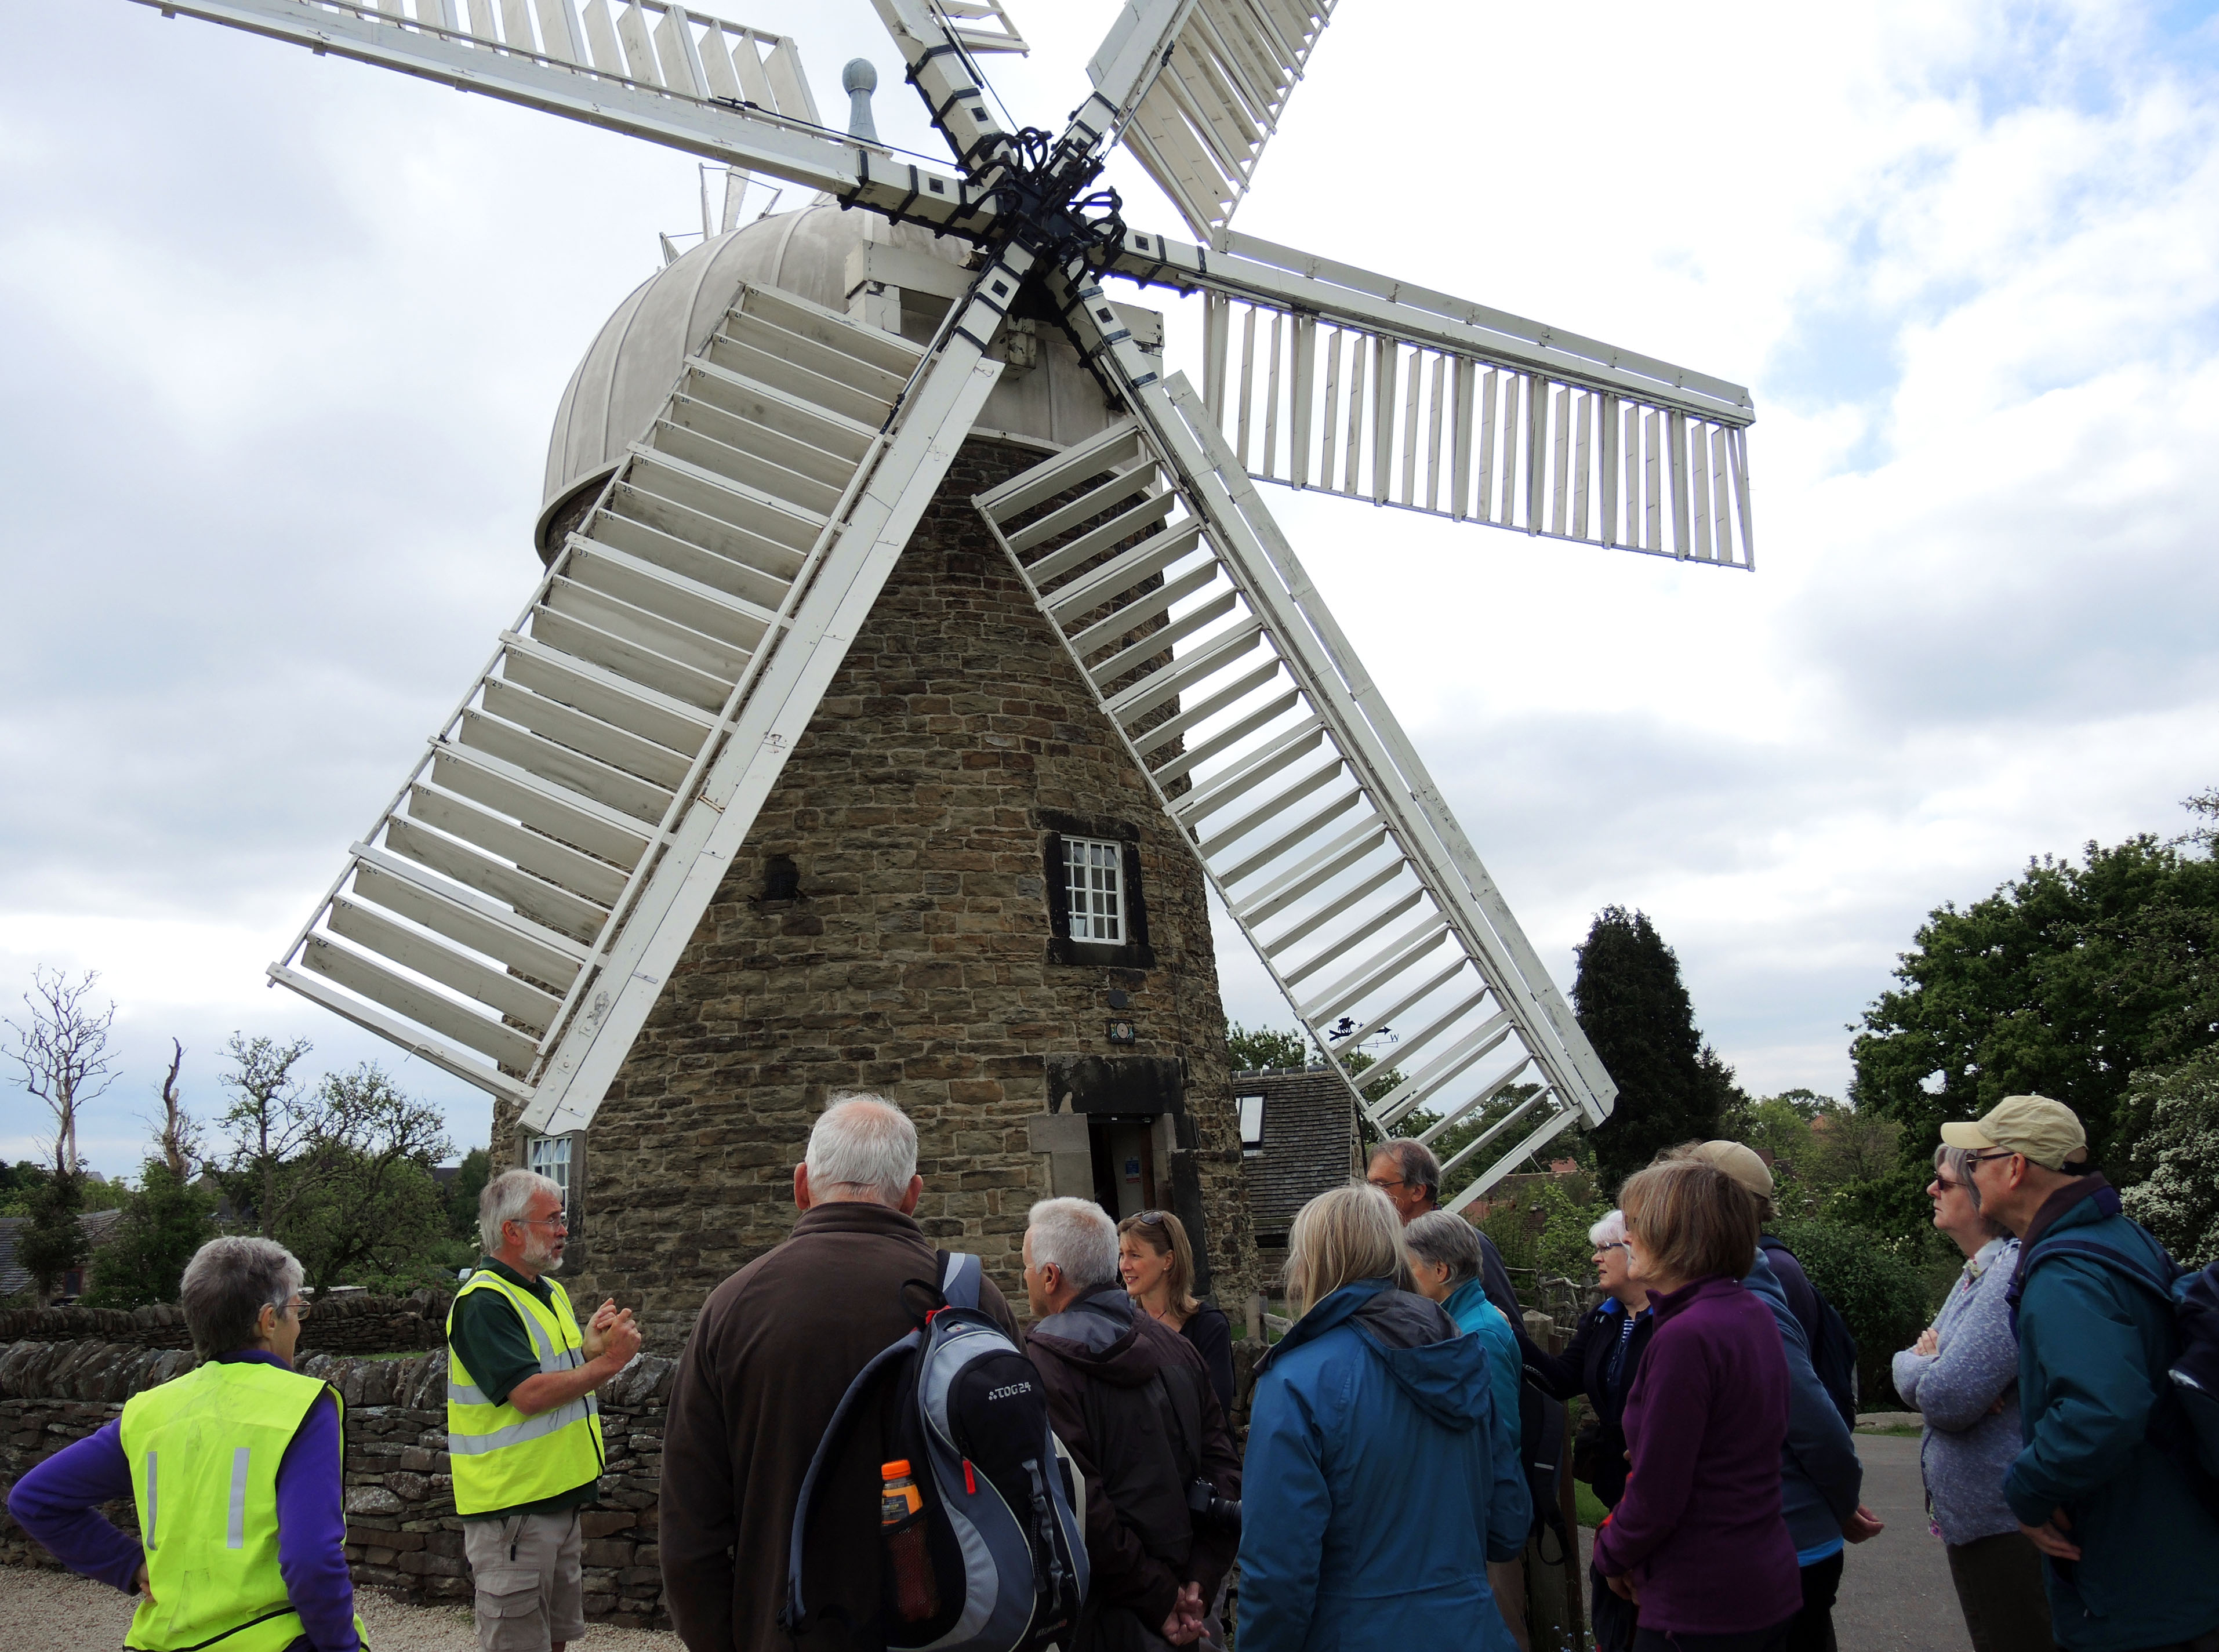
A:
[(1374, 1181), (1615, 1245), (1982, 1158), (557, 1224), (1945, 1184), (1152, 1218)]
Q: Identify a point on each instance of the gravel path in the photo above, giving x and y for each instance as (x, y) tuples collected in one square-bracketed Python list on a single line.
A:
[(57, 1611)]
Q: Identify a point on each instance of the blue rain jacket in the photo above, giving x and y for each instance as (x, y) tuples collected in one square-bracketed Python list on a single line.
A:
[(1376, 1485)]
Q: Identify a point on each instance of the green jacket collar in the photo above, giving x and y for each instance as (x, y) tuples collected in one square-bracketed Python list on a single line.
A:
[(540, 1287)]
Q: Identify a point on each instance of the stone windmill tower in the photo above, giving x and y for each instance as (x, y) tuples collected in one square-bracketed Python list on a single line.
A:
[(900, 917), (914, 649)]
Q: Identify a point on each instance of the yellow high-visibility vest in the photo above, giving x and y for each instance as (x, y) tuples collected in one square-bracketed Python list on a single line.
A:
[(204, 1450), (501, 1457)]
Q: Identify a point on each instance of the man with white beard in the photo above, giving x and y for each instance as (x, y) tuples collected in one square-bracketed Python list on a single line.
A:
[(523, 1429)]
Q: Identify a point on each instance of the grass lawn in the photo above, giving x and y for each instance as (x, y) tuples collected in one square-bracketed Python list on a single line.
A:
[(1591, 1508)]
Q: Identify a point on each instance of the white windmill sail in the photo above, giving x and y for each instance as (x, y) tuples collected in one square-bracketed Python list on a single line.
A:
[(649, 69), (1197, 87), (1326, 376), (1178, 599), (512, 915)]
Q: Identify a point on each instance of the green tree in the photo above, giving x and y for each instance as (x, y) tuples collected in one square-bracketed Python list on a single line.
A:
[(17, 1183), (282, 1148), (1266, 1049), (2176, 1160), (164, 1220), (470, 1178), (1881, 1295), (358, 1203), (1633, 1007), (2063, 983), (53, 1241)]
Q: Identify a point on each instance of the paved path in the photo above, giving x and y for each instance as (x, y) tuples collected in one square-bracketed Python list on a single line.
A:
[(1896, 1593)]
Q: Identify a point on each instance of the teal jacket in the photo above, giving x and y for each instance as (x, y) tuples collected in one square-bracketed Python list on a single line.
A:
[(1476, 1315), (1376, 1487), (2093, 1348)]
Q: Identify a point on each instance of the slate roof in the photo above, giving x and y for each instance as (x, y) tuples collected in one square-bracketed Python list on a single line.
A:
[(98, 1224), (1309, 1144)]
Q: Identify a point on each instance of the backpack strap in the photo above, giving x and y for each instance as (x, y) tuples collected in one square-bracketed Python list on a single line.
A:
[(959, 1279), (790, 1614), (2142, 1273)]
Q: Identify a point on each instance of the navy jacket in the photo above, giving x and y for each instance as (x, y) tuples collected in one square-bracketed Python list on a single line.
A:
[(2093, 1348), (1819, 1474), (1376, 1485)]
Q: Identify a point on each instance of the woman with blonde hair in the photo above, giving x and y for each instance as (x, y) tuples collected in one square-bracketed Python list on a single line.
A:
[(1157, 1264), (1376, 1487), (1698, 1538)]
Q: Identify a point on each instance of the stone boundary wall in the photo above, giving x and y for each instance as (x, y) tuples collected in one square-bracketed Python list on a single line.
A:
[(402, 1533), (348, 1323)]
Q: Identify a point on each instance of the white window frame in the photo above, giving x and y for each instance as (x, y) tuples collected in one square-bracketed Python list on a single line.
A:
[(553, 1157), (1094, 890)]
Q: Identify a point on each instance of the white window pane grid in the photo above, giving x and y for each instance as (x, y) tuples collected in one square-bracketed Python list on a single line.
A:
[(550, 1157), (1095, 875)]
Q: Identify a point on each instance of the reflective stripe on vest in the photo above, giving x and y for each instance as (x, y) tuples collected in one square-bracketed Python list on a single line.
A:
[(204, 1450), (501, 1457)]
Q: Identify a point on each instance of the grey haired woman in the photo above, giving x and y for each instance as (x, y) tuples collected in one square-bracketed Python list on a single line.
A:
[(1962, 1373)]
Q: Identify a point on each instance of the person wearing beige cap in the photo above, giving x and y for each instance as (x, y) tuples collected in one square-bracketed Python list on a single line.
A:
[(2130, 1545)]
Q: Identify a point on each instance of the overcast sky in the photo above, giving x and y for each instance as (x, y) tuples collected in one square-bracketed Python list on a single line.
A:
[(282, 337)]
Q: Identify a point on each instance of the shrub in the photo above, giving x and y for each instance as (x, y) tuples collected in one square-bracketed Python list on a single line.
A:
[(1882, 1296)]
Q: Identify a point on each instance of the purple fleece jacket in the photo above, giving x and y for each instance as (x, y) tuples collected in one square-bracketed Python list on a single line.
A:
[(58, 1504), (1699, 1529)]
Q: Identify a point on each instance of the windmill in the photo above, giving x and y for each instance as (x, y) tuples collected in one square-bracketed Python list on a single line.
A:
[(518, 908)]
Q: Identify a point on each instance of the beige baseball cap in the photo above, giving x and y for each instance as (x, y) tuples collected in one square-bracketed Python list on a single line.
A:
[(2049, 1133), (1740, 1163)]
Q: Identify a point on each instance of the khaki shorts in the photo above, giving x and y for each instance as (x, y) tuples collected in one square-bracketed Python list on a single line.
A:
[(529, 1594)]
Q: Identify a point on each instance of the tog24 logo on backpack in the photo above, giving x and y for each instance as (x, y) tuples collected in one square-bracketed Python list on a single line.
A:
[(983, 1551)]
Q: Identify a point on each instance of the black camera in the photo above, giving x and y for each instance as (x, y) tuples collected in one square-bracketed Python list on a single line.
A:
[(1208, 1508)]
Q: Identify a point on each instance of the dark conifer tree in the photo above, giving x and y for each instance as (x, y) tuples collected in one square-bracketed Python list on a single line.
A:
[(1635, 1010)]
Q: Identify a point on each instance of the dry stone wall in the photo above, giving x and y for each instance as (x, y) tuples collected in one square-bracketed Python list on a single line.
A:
[(402, 1533), (345, 1324)]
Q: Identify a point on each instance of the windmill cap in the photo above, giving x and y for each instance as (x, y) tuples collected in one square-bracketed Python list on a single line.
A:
[(1739, 1162), (2047, 1133)]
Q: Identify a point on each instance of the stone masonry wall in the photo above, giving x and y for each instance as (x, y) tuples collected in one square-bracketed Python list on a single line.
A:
[(402, 1533), (346, 1324), (913, 959)]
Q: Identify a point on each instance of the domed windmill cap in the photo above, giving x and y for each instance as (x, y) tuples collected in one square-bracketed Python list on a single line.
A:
[(1739, 1162)]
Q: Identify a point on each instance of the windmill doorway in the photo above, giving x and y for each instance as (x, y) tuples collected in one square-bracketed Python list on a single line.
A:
[(1123, 1147)]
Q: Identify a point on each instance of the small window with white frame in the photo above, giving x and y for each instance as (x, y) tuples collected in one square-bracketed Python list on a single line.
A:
[(550, 1157), (1251, 1125), (1095, 875)]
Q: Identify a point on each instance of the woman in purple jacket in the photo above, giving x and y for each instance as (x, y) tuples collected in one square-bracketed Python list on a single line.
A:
[(1697, 1540)]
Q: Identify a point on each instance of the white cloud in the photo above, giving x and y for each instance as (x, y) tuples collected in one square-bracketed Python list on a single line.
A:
[(285, 334)]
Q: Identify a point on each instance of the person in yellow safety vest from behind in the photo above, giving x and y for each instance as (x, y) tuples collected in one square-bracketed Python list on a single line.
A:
[(524, 1430), (234, 1468)]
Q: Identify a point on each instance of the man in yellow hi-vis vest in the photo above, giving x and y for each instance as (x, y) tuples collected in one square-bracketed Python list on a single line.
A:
[(524, 1430), (235, 1471)]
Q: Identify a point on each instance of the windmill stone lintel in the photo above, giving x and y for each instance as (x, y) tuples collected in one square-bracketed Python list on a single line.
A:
[(893, 922)]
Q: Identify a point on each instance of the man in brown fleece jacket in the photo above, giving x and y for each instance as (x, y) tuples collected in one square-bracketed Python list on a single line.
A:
[(775, 1347)]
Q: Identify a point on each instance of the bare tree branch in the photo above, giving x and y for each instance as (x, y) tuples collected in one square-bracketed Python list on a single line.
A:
[(177, 1132), (63, 1053)]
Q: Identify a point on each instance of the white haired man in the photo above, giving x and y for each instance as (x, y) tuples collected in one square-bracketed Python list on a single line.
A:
[(1113, 1377), (524, 1430), (775, 1347)]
